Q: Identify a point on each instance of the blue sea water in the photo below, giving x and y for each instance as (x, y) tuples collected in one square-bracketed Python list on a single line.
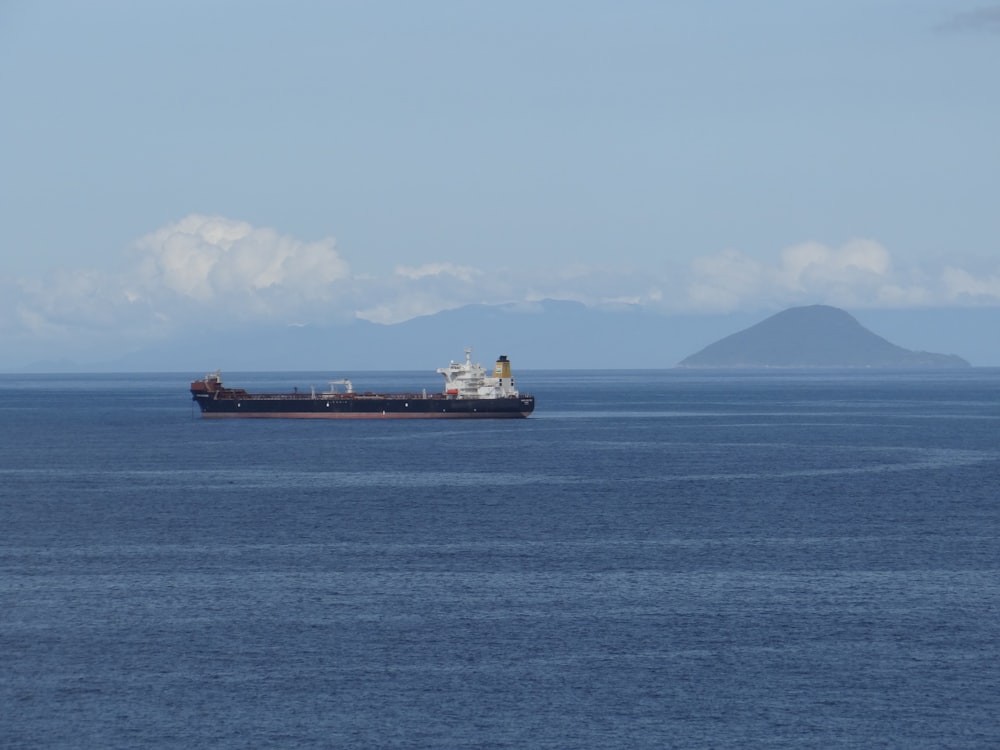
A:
[(654, 559)]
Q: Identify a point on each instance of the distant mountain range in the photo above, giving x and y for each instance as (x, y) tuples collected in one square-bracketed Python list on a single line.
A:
[(814, 336), (549, 334), (563, 335)]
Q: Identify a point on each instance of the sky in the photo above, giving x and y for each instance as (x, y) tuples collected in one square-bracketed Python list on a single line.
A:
[(171, 164)]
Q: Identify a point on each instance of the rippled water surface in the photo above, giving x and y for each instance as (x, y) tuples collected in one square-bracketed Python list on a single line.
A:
[(654, 559)]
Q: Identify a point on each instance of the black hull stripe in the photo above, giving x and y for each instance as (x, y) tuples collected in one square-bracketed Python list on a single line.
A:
[(363, 415)]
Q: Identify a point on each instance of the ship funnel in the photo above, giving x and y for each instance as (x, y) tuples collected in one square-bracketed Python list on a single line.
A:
[(502, 368)]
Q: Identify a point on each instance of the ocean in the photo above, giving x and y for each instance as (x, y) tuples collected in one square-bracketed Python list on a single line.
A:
[(654, 559)]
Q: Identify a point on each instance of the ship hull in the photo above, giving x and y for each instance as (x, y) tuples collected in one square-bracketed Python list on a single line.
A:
[(470, 392), (362, 407)]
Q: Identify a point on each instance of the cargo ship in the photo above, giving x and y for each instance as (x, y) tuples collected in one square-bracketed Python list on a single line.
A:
[(470, 392)]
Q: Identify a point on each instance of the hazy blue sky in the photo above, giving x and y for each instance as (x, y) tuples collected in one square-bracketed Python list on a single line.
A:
[(163, 163)]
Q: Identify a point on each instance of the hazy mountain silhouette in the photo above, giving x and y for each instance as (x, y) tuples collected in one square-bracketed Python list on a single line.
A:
[(552, 334), (549, 334), (814, 336)]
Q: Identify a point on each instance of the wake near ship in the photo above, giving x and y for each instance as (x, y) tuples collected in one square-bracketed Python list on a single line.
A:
[(469, 393)]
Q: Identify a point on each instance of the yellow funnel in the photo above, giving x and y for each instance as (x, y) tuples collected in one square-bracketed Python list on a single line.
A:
[(502, 369)]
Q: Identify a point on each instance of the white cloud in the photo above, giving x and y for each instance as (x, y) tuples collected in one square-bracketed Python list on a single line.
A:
[(810, 264), (723, 281), (962, 286), (413, 291), (896, 296), (207, 272), (201, 271), (206, 258), (71, 299), (181, 256), (859, 273), (462, 273)]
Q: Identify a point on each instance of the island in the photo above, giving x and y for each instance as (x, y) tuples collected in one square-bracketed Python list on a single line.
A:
[(813, 336)]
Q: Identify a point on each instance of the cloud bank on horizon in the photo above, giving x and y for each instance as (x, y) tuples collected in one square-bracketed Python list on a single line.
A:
[(208, 272)]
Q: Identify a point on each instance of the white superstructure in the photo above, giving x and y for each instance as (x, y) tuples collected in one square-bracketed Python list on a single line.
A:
[(470, 379)]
